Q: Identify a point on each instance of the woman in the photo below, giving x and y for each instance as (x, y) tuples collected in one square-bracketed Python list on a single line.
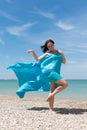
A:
[(53, 76)]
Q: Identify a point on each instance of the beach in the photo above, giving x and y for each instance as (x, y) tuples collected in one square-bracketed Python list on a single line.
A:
[(32, 113)]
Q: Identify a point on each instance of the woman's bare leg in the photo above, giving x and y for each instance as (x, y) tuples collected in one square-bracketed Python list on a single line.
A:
[(63, 85), (51, 101)]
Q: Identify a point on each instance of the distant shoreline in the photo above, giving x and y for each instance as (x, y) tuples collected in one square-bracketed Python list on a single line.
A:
[(66, 79)]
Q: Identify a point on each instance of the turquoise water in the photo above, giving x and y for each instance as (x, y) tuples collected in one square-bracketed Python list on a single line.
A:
[(77, 90)]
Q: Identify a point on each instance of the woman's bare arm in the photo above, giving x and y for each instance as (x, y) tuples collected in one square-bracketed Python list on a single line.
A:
[(35, 56), (63, 57), (42, 56)]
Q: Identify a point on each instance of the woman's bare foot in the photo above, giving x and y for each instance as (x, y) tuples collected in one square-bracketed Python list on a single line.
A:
[(51, 111)]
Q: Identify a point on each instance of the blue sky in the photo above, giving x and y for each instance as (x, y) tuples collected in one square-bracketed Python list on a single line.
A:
[(27, 24)]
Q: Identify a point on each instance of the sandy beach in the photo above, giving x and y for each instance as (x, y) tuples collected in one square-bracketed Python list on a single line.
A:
[(33, 114)]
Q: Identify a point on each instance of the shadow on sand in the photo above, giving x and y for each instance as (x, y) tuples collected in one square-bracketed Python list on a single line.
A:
[(61, 110)]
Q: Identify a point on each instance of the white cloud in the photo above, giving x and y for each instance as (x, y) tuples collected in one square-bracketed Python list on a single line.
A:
[(45, 14), (2, 42), (9, 1), (84, 46), (18, 30), (64, 26), (72, 47), (7, 57), (84, 32), (76, 70), (80, 50), (71, 62), (8, 16)]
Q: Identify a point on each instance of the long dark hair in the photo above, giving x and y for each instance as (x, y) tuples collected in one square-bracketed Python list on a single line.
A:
[(44, 47)]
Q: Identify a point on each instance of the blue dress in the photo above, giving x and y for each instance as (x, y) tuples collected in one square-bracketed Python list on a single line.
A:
[(37, 76)]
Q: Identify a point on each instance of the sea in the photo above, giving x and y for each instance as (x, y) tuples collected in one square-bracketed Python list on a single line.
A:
[(76, 90)]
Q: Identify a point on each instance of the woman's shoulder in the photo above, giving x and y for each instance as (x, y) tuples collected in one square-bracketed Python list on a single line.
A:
[(59, 51)]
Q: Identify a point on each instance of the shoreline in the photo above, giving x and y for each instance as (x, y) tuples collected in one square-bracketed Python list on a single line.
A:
[(32, 113), (44, 95), (75, 91)]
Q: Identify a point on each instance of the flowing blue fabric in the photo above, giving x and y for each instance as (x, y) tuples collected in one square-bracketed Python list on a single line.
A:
[(37, 76)]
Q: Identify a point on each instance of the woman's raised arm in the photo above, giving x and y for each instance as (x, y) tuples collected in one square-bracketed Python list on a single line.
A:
[(34, 54)]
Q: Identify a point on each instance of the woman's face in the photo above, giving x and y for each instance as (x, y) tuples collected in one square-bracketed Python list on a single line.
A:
[(50, 46)]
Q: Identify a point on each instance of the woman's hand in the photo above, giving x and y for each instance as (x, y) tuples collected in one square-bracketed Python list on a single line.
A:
[(30, 51)]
